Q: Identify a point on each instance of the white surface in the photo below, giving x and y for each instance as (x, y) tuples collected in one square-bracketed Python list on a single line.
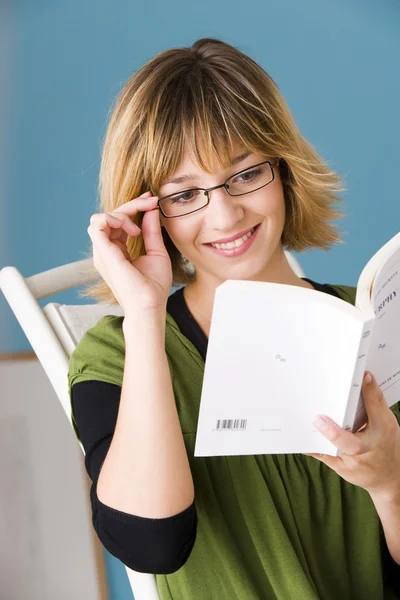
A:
[(22, 569), (46, 540), (374, 272), (275, 367), (53, 336), (279, 355)]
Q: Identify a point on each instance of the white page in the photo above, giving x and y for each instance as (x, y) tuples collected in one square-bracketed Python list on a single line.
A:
[(378, 295), (283, 361), (384, 354)]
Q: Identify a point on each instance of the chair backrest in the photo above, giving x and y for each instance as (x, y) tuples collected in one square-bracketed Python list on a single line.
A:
[(55, 331)]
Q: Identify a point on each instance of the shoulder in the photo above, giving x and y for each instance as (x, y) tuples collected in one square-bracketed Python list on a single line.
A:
[(105, 334), (346, 292), (100, 353)]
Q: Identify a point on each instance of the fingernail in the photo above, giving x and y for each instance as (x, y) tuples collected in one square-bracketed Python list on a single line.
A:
[(367, 377), (320, 424)]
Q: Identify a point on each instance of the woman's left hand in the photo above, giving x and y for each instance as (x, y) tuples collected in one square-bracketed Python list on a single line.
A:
[(369, 458)]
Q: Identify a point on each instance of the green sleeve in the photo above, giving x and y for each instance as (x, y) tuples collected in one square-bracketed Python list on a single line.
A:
[(346, 292), (100, 356)]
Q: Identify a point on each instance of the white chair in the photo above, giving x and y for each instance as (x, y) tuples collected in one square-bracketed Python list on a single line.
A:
[(55, 330)]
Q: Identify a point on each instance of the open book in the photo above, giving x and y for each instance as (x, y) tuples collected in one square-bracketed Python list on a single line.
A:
[(279, 355)]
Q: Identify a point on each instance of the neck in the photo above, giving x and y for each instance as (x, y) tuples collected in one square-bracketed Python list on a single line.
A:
[(199, 295)]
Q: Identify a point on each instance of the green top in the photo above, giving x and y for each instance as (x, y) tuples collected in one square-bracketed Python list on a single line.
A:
[(273, 527)]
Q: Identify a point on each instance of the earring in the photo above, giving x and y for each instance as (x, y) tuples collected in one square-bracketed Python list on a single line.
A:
[(188, 266)]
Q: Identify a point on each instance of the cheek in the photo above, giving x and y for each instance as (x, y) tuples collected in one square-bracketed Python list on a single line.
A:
[(271, 204), (276, 199), (181, 234)]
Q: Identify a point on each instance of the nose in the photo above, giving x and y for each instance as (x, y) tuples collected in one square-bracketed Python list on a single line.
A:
[(223, 210)]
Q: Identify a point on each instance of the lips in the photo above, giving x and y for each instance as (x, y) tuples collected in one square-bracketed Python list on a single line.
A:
[(235, 251), (232, 238)]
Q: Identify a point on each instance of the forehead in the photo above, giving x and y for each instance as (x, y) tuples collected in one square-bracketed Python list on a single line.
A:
[(189, 164)]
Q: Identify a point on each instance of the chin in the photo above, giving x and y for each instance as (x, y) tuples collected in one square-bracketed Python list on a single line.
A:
[(245, 272)]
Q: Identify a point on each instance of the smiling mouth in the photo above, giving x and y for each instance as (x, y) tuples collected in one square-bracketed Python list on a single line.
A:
[(235, 243)]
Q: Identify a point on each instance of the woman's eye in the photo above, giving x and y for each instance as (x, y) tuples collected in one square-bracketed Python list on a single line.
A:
[(249, 175), (184, 197)]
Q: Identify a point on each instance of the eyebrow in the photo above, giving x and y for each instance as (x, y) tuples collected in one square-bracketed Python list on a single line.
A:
[(189, 177)]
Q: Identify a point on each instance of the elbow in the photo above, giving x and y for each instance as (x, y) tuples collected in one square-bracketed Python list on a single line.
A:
[(156, 546), (165, 561)]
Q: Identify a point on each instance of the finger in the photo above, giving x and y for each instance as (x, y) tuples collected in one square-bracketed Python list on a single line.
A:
[(130, 227), (345, 441), (152, 236), (105, 250), (122, 246), (103, 222), (108, 221), (105, 228), (333, 462), (375, 403), (132, 207)]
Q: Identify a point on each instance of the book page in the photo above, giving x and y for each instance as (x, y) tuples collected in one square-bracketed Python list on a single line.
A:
[(384, 353), (277, 356), (378, 295), (367, 281)]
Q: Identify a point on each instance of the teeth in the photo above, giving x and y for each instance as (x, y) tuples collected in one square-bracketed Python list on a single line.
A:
[(236, 243)]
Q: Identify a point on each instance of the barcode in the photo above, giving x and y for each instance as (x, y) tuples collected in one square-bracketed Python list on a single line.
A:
[(231, 423)]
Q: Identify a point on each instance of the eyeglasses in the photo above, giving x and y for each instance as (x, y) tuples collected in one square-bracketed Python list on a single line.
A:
[(241, 183)]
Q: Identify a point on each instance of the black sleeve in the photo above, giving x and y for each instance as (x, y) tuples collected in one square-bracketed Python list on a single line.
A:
[(158, 546)]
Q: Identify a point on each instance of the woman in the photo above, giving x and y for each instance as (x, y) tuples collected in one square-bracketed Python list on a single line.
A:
[(201, 149)]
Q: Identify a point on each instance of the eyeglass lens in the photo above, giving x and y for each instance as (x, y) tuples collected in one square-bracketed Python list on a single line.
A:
[(191, 200)]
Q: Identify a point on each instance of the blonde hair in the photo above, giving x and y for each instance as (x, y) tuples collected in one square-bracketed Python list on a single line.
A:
[(206, 96)]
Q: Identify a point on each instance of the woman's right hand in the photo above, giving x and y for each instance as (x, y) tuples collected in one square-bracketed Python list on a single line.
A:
[(144, 283)]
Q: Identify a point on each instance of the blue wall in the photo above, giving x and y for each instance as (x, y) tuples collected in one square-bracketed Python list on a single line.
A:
[(336, 61)]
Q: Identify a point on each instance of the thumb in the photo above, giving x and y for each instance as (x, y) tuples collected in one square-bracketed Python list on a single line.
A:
[(374, 401), (151, 231)]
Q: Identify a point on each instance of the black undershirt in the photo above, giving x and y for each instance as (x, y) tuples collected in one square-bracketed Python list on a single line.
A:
[(147, 545)]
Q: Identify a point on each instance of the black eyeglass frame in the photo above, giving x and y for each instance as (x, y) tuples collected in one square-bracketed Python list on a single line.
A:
[(224, 185)]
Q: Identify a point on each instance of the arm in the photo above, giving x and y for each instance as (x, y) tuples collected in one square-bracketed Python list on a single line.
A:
[(149, 545), (145, 545), (146, 471), (388, 509), (370, 458)]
